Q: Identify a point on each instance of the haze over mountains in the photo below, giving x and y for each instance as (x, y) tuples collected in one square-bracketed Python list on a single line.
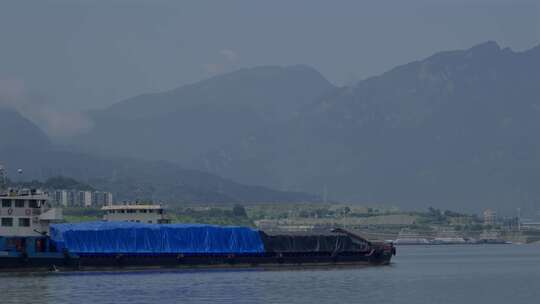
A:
[(457, 130), (25, 146)]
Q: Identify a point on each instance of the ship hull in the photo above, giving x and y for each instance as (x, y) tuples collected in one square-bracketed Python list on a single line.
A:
[(126, 261)]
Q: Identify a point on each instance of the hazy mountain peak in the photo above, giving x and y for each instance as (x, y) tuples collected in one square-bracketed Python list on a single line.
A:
[(261, 77), (270, 70), (488, 46), (194, 119), (17, 131), (262, 86)]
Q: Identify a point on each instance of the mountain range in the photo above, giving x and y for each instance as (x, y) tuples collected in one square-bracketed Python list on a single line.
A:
[(456, 130)]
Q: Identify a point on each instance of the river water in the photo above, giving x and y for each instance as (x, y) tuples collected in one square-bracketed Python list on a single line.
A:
[(418, 274)]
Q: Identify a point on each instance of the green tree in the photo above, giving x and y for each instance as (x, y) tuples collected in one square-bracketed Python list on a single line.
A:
[(239, 211)]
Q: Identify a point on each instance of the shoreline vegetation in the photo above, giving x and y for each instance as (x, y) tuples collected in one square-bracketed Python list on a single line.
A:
[(373, 222), (305, 214)]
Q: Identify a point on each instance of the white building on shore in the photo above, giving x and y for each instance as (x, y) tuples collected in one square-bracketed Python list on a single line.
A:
[(490, 217), (76, 198)]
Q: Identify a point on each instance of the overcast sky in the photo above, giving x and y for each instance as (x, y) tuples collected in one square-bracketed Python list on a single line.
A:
[(74, 55)]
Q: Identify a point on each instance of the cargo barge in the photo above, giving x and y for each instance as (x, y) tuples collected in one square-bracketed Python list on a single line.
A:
[(102, 245), (33, 237)]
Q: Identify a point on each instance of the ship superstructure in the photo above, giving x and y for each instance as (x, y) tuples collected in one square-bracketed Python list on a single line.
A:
[(25, 212), (135, 213), (25, 219)]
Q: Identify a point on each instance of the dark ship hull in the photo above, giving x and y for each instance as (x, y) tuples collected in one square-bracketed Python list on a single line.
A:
[(126, 261)]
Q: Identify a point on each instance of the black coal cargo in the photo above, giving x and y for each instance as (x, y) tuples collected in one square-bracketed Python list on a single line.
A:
[(323, 242)]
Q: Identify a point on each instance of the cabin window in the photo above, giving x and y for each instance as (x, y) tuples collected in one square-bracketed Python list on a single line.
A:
[(6, 203), (19, 204), (131, 211), (150, 211), (143, 211), (24, 222), (7, 222), (149, 222), (33, 204), (121, 211), (17, 244)]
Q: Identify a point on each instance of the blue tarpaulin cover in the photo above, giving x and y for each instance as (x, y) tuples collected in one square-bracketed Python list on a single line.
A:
[(125, 237)]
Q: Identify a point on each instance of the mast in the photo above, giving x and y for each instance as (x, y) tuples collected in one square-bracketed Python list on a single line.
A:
[(519, 218)]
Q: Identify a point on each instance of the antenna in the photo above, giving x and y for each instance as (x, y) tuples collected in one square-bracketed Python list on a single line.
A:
[(519, 219), (325, 193)]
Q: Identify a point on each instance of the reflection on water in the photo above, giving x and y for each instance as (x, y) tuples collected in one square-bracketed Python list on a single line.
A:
[(437, 274)]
